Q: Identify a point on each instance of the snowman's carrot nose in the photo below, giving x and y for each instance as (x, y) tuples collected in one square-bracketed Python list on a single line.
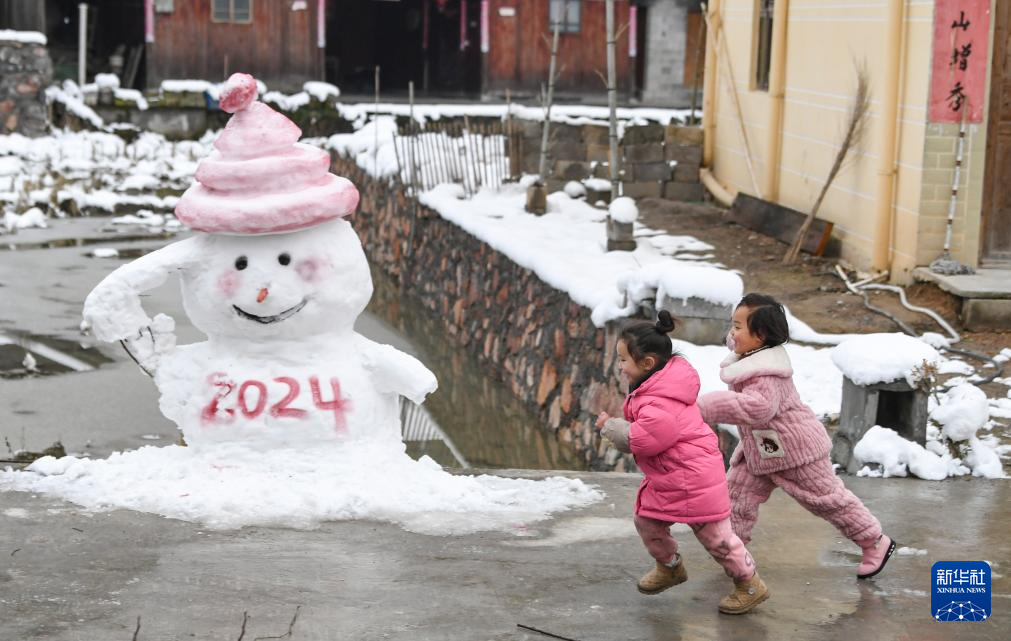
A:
[(262, 295)]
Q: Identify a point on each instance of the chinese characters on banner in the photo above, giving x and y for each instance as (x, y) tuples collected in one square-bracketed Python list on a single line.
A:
[(958, 78)]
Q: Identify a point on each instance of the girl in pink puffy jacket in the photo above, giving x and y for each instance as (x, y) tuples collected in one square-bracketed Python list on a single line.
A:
[(680, 457), (783, 444)]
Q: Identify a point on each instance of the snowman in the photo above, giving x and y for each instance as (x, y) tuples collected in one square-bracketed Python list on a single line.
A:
[(275, 277)]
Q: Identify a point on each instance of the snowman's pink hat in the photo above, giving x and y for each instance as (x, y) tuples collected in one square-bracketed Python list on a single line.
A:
[(260, 179)]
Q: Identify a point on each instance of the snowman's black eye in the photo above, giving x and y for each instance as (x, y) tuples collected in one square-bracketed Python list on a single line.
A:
[(284, 258), (241, 263)]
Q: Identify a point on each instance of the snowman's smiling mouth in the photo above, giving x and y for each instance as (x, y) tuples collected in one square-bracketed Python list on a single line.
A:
[(276, 318)]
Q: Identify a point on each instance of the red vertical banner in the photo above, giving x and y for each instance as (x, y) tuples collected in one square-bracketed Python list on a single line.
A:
[(485, 35), (958, 69), (149, 21), (463, 25)]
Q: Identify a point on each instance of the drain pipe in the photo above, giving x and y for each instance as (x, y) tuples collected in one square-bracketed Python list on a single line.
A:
[(712, 81), (777, 91), (885, 205), (716, 189)]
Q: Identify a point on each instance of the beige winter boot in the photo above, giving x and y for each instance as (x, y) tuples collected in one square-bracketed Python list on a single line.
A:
[(662, 577), (746, 595)]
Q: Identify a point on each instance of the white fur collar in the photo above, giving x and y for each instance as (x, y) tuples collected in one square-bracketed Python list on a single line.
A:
[(768, 362)]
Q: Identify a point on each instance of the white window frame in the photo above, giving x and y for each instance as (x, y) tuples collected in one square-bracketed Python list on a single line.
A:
[(568, 25), (231, 13)]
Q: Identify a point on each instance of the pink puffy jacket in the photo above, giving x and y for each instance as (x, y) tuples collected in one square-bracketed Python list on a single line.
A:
[(677, 452), (778, 431)]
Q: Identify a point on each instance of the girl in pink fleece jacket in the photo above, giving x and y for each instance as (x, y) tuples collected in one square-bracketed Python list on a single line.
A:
[(680, 457), (783, 444)]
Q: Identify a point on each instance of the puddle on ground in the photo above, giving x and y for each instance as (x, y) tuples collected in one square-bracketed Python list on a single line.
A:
[(23, 355), (60, 243)]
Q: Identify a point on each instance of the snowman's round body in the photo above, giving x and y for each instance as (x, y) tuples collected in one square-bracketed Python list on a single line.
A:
[(280, 395), (282, 366)]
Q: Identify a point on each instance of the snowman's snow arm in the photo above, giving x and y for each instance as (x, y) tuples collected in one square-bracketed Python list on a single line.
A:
[(395, 371), (113, 309)]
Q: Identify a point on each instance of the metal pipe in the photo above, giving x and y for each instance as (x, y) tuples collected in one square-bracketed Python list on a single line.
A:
[(712, 81), (777, 91), (884, 204), (82, 44)]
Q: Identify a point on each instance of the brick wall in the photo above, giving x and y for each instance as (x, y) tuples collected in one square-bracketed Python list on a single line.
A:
[(939, 151)]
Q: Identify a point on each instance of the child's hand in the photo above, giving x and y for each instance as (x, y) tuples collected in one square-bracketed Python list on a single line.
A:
[(601, 419)]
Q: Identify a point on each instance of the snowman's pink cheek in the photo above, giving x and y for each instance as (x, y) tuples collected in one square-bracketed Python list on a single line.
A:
[(309, 269), (228, 283)]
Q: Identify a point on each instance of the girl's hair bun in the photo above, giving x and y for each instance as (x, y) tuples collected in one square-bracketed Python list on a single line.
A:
[(665, 322)]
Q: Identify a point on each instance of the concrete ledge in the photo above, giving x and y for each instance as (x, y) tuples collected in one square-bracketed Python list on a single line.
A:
[(985, 283)]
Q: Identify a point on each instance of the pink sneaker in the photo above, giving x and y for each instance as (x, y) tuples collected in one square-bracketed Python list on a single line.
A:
[(876, 554)]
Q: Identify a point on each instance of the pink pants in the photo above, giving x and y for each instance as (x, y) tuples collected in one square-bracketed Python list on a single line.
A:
[(815, 486), (716, 537)]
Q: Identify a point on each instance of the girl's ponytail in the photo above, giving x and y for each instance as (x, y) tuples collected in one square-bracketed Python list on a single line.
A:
[(665, 323)]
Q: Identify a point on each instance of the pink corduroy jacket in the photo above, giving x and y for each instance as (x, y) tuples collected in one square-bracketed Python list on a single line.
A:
[(778, 431), (677, 452)]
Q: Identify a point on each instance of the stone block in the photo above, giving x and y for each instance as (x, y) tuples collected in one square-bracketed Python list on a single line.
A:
[(893, 405), (643, 134), (598, 152), (643, 189), (683, 154), (567, 150), (571, 169), (684, 192), (652, 152), (620, 236), (701, 322), (562, 132), (596, 135), (638, 172), (681, 135), (686, 173)]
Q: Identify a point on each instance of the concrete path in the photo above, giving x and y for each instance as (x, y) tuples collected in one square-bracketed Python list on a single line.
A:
[(67, 575)]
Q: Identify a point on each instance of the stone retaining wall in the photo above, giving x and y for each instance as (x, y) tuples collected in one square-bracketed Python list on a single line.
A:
[(530, 336), (25, 71)]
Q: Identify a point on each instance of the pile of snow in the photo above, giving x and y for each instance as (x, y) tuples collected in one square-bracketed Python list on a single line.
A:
[(883, 358), (597, 184), (575, 189), (34, 217), (963, 411), (623, 210), (185, 86), (105, 252), (378, 161), (899, 457), (803, 333), (230, 486), (110, 82), (321, 91), (286, 102), (24, 37)]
